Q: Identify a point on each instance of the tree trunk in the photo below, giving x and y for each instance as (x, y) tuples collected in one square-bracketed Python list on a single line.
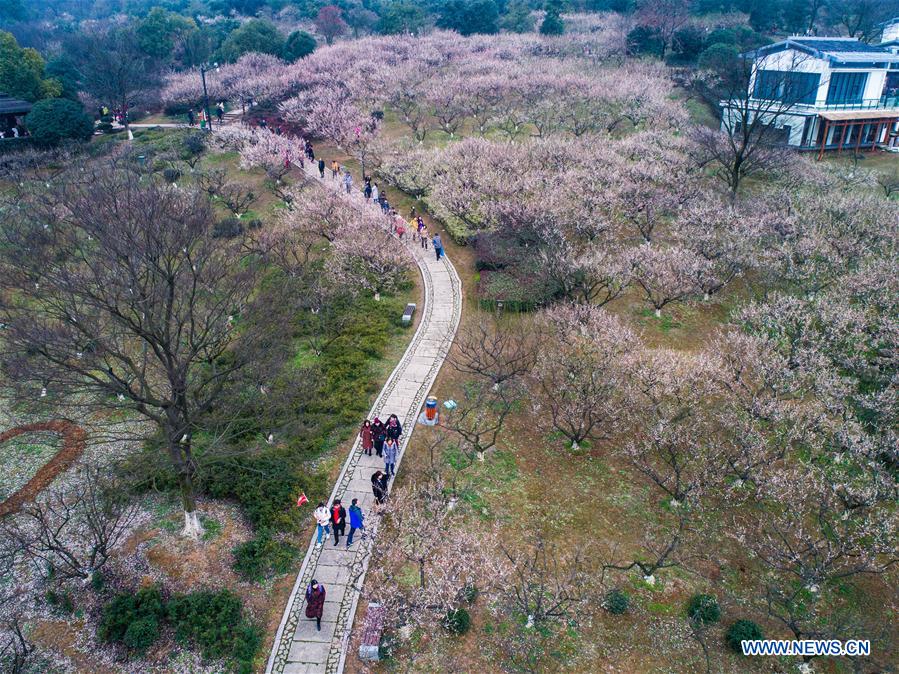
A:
[(421, 572), (192, 526), (658, 313), (179, 449)]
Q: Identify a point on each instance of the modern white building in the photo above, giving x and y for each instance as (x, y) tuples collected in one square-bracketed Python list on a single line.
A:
[(825, 93)]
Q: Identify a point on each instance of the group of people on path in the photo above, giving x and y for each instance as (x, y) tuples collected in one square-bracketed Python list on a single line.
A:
[(419, 231), (374, 195), (336, 517), (378, 437), (192, 116), (382, 439)]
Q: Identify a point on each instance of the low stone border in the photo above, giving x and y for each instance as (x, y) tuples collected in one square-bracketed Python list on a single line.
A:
[(73, 442)]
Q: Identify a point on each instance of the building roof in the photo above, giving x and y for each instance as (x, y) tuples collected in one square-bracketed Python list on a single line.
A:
[(13, 106), (834, 49), (852, 115), (832, 45)]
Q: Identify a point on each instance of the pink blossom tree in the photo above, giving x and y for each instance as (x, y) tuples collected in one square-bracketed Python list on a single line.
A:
[(666, 275), (581, 373)]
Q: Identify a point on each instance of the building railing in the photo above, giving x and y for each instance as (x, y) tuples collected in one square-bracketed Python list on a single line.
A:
[(882, 103)]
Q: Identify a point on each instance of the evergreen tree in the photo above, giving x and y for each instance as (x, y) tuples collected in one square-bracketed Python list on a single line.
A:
[(552, 22), (468, 17), (299, 44)]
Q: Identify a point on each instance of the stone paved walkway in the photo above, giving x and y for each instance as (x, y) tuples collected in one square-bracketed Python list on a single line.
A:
[(299, 648)]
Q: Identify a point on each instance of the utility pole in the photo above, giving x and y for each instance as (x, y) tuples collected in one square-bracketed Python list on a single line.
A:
[(203, 70)]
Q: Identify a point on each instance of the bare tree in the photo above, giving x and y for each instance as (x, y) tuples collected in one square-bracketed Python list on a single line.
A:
[(112, 67), (749, 140), (75, 528), (421, 529), (479, 420), (862, 18), (545, 585), (120, 298), (237, 197), (666, 16), (810, 532), (496, 350), (580, 378), (889, 182)]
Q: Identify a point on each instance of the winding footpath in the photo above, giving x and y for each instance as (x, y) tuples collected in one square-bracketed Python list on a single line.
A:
[(299, 648)]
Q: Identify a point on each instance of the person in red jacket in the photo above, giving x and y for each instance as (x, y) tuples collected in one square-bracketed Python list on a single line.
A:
[(365, 435), (338, 519)]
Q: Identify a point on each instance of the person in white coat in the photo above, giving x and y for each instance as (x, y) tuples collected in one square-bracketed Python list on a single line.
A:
[(323, 520)]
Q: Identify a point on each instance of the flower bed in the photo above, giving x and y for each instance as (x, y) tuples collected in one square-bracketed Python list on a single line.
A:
[(28, 468)]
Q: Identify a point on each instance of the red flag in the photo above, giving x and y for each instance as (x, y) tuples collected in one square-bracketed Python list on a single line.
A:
[(302, 500)]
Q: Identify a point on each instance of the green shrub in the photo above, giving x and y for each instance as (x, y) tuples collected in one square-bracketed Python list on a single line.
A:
[(704, 608), (104, 127), (98, 581), (171, 175), (192, 145), (141, 634), (266, 486), (617, 602), (227, 228), (214, 622), (127, 608), (743, 630), (56, 119), (457, 621), (256, 558), (60, 600)]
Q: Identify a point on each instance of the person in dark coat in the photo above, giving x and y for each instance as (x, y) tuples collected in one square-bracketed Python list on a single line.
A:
[(378, 435), (394, 428), (321, 168), (315, 602), (379, 486), (338, 519), (366, 437)]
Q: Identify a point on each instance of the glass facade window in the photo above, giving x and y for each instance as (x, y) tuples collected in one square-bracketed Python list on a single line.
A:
[(846, 88), (789, 87)]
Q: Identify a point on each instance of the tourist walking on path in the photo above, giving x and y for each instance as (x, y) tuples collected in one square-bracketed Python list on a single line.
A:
[(378, 435), (323, 520), (365, 436), (390, 449), (438, 246), (375, 193), (338, 519), (367, 190), (379, 486), (356, 520), (423, 234), (394, 428), (347, 181), (321, 168), (315, 602), (335, 169), (191, 117), (220, 111)]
